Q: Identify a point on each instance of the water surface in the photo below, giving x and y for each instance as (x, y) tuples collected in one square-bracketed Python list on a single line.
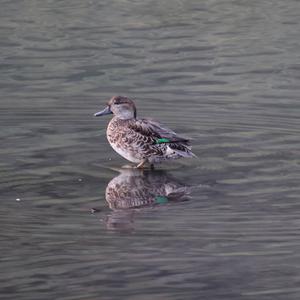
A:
[(225, 73)]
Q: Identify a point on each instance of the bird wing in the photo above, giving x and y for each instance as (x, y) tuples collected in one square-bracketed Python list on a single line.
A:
[(157, 131)]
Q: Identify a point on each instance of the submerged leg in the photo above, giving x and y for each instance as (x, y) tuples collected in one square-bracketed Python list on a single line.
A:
[(141, 165)]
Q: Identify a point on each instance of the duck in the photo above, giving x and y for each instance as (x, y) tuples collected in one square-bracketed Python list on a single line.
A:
[(142, 141)]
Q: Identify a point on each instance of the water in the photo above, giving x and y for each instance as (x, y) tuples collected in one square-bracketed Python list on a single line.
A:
[(225, 73)]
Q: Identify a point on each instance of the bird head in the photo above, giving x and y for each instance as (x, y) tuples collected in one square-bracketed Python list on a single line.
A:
[(122, 107)]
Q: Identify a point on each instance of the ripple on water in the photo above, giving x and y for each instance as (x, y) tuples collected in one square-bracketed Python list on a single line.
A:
[(225, 225)]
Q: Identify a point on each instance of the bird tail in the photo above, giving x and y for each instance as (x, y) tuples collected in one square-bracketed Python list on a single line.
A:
[(182, 150)]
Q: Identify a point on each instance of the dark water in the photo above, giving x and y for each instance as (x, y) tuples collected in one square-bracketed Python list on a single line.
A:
[(225, 73)]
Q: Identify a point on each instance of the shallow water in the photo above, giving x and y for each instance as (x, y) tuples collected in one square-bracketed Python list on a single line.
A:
[(225, 73)]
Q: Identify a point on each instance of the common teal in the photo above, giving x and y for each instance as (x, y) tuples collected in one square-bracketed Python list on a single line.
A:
[(140, 140)]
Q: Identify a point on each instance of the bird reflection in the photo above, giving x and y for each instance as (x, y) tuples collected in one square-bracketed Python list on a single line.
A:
[(135, 189)]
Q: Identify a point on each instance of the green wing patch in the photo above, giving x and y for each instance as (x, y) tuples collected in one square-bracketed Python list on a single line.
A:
[(161, 141)]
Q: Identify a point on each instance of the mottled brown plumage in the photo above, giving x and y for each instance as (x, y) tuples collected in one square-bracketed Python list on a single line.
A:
[(141, 140)]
